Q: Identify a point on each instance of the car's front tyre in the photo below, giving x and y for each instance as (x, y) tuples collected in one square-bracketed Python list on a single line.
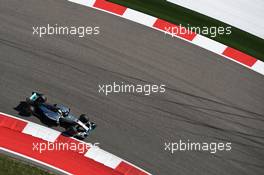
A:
[(83, 118)]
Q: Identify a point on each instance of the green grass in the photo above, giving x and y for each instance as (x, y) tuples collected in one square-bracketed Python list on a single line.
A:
[(10, 166), (239, 39)]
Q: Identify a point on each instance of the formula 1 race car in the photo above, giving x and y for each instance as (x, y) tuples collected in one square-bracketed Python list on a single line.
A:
[(59, 115)]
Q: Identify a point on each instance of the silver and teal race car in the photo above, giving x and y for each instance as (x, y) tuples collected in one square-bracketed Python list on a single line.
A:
[(79, 127)]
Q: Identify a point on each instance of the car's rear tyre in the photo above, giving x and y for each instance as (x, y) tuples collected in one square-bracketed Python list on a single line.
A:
[(83, 118), (71, 131), (80, 138), (26, 112)]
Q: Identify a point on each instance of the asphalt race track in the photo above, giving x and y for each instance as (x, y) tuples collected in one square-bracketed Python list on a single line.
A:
[(208, 98)]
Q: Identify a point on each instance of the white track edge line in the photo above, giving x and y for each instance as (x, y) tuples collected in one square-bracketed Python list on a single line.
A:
[(35, 160)]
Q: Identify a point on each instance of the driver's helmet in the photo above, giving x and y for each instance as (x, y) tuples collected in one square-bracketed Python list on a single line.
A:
[(60, 112), (63, 111)]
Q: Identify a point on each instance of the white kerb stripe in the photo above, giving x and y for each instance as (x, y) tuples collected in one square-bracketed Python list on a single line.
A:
[(88, 3), (258, 67), (41, 132), (103, 157), (209, 44), (139, 17)]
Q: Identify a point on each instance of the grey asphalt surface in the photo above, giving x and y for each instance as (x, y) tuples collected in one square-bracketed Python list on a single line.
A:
[(207, 99)]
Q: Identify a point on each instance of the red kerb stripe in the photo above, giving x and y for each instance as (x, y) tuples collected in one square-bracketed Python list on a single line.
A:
[(240, 56), (128, 169), (109, 6)]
